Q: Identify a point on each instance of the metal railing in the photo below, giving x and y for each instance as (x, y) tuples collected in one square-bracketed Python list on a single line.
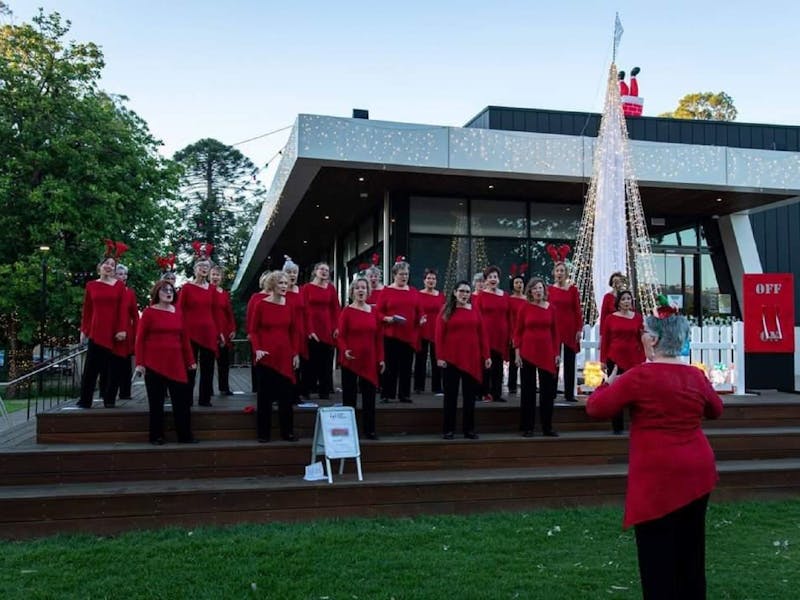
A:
[(52, 382)]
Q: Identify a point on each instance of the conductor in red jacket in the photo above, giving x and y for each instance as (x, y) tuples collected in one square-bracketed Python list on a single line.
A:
[(671, 465)]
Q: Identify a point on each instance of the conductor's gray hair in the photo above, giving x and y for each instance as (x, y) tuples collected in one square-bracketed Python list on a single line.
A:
[(672, 333)]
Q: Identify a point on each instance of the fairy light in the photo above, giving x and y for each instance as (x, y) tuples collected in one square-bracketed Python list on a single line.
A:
[(638, 253)]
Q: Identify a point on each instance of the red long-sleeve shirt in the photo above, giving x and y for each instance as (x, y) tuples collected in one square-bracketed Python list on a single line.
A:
[(609, 306), (360, 333), (671, 462), (273, 332), (374, 296), (251, 306), (461, 341), (223, 314), (430, 305), (569, 317), (196, 304), (516, 304), (405, 303), (621, 340), (103, 314), (162, 344), (299, 307), (130, 320), (496, 315), (537, 336), (322, 311)]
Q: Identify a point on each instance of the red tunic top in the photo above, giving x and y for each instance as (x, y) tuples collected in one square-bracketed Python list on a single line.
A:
[(130, 317), (461, 341), (496, 315), (537, 336), (197, 307), (671, 462), (223, 314), (404, 303), (374, 296), (299, 308), (621, 340), (430, 306), (251, 307), (569, 318), (515, 304), (162, 344), (322, 311), (273, 332), (609, 306), (361, 333), (103, 314)]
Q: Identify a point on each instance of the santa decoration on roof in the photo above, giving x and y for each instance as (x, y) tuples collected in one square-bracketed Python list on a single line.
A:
[(632, 103)]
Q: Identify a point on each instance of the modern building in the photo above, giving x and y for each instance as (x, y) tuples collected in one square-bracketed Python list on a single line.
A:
[(720, 199)]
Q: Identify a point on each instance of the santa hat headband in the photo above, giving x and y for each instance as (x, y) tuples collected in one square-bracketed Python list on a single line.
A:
[(166, 263), (375, 259), (202, 250), (558, 254), (664, 309), (399, 259), (115, 249)]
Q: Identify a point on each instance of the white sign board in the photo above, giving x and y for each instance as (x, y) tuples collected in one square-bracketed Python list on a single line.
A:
[(336, 436)]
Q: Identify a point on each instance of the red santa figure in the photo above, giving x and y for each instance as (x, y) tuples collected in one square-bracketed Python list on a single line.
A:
[(632, 103)]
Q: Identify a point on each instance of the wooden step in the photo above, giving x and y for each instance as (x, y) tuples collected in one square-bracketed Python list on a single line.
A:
[(107, 508), (228, 421), (70, 463)]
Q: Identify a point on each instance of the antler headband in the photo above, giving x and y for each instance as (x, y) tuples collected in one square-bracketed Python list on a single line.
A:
[(115, 249), (558, 254), (202, 249)]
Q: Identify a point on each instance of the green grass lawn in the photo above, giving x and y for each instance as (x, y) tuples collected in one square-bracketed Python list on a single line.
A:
[(15, 405), (580, 553)]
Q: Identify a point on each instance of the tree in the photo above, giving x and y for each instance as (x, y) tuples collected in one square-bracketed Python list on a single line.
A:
[(76, 167), (220, 200), (704, 106)]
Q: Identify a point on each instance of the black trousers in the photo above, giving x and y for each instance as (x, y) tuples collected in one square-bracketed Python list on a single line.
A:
[(125, 376), (157, 386), (672, 554), (320, 358), (569, 372), (99, 361), (513, 371), (527, 401), (351, 383), (421, 368), (224, 369), (618, 421), (452, 376), (495, 375), (205, 364), (273, 387), (398, 357)]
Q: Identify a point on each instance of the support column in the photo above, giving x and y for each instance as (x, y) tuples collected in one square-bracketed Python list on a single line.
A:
[(740, 249)]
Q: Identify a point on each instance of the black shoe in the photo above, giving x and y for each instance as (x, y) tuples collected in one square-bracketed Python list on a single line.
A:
[(289, 438), (371, 436), (324, 397), (571, 400), (225, 393), (205, 404), (501, 399), (263, 440), (618, 432), (471, 435), (448, 436), (528, 433), (550, 433), (406, 401), (109, 406), (125, 398), (188, 441), (158, 442), (86, 406), (512, 391), (384, 401), (418, 392)]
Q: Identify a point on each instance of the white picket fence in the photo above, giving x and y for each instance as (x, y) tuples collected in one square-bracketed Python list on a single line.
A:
[(710, 345)]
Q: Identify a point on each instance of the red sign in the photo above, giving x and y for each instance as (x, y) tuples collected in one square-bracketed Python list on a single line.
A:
[(769, 313)]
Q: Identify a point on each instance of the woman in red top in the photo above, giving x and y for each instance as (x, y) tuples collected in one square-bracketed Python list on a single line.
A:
[(537, 352), (226, 326), (275, 348), (295, 298), (123, 351), (621, 343), (517, 301), (196, 304), (398, 307), (493, 305), (360, 345), (248, 320), (163, 356), (376, 286), (463, 354), (671, 468), (322, 314), (617, 282), (430, 301), (102, 325), (564, 297)]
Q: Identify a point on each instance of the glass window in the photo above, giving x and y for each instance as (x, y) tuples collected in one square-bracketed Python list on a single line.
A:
[(448, 255), (675, 272), (684, 237), (508, 254), (497, 218), (712, 302), (366, 234), (445, 216), (349, 250), (555, 221)]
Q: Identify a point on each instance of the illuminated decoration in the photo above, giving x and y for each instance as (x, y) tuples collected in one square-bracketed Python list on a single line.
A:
[(701, 366), (613, 233), (459, 260), (593, 374)]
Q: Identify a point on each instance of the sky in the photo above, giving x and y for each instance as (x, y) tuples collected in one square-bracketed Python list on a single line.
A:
[(238, 69)]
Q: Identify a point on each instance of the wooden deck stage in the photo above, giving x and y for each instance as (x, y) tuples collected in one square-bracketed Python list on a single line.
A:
[(92, 470)]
